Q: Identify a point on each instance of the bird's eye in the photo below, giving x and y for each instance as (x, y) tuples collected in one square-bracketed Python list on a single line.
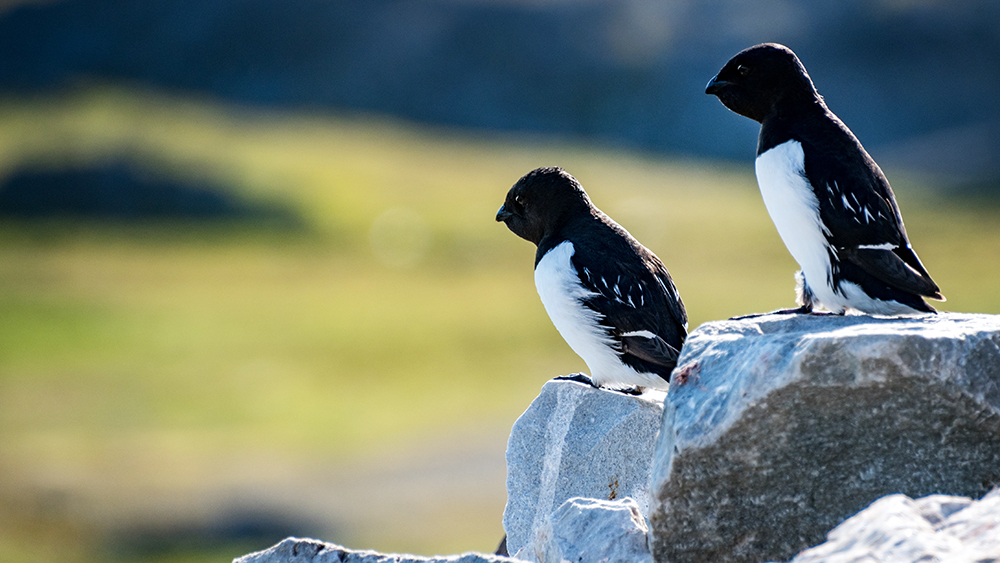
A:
[(743, 70), (519, 200)]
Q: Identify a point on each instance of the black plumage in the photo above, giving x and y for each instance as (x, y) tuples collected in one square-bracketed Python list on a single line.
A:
[(611, 298), (865, 240)]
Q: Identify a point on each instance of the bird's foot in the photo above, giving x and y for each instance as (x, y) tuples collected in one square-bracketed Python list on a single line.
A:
[(795, 311), (586, 380), (577, 377), (804, 310)]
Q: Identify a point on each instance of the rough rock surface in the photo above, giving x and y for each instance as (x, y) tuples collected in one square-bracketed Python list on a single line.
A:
[(779, 428), (297, 550), (587, 530), (896, 529), (577, 441)]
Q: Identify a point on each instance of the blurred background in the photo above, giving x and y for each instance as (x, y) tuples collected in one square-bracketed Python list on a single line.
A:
[(250, 281)]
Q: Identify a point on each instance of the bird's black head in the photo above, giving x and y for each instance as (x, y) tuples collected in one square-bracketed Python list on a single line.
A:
[(761, 79), (541, 202)]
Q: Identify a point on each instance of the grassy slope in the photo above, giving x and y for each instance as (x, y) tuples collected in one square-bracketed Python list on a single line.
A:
[(138, 358)]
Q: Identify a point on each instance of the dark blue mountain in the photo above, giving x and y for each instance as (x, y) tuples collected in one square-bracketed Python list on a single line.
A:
[(619, 72)]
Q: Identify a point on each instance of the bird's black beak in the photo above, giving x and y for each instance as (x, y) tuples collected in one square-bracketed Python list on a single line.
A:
[(503, 214), (715, 85)]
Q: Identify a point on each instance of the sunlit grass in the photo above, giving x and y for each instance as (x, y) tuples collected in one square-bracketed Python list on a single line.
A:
[(149, 357)]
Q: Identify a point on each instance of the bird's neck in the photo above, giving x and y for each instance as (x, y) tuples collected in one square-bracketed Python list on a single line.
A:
[(780, 123), (570, 225), (547, 243)]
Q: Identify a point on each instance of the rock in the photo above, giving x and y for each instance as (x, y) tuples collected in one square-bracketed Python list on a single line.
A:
[(577, 441), (587, 530), (896, 529), (296, 550), (777, 429)]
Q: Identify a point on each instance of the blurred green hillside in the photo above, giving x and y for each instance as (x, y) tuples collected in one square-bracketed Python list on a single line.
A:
[(158, 375)]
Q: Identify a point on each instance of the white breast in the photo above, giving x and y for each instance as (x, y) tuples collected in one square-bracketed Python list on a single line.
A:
[(794, 210), (559, 287)]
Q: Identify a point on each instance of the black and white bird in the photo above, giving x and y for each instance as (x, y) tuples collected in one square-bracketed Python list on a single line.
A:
[(829, 200), (610, 297)]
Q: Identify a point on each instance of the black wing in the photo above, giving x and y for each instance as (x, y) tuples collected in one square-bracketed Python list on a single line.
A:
[(888, 267), (858, 207), (653, 350), (636, 298)]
